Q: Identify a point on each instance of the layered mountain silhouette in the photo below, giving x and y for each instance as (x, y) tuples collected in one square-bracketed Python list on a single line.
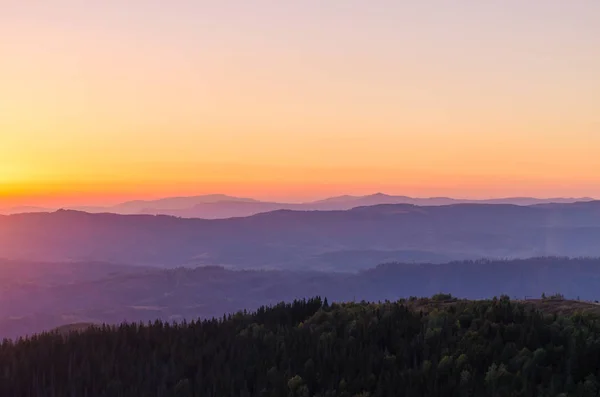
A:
[(220, 206), (106, 293), (24, 210), (323, 240)]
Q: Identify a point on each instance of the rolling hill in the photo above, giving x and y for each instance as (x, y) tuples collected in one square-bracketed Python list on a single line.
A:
[(102, 293), (308, 239)]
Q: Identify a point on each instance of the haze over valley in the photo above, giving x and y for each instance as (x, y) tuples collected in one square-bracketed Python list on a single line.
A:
[(300, 198), (107, 268), (39, 297)]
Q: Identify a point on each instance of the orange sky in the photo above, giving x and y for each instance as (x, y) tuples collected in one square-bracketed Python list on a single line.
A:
[(298, 100)]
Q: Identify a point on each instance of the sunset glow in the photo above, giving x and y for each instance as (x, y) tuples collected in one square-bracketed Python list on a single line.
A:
[(298, 100)]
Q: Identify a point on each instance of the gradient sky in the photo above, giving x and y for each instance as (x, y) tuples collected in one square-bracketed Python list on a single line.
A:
[(102, 101)]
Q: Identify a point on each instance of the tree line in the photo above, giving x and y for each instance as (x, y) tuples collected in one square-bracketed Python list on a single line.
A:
[(310, 348)]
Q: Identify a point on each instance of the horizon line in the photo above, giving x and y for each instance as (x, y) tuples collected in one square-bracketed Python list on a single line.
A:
[(228, 198)]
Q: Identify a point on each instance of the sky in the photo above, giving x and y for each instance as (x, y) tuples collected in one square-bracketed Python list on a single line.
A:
[(103, 101)]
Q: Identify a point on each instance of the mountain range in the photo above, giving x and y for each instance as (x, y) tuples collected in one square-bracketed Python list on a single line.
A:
[(38, 296), (220, 206), (320, 240)]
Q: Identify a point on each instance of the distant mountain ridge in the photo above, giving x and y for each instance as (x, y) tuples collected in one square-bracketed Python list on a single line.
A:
[(320, 240), (220, 206)]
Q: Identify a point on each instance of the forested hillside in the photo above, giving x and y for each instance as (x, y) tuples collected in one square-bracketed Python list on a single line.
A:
[(431, 347)]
